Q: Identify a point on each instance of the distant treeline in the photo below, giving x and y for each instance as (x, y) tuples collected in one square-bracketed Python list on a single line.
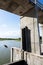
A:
[(10, 38)]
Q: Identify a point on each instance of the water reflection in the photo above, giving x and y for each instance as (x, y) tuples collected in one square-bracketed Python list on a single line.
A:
[(5, 47)]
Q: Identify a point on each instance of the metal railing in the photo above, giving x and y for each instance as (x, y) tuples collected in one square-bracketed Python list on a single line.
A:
[(39, 4)]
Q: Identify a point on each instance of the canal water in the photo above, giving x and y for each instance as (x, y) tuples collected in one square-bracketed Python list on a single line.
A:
[(5, 51)]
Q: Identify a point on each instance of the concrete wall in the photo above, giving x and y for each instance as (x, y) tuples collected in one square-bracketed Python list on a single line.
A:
[(33, 59), (16, 54), (31, 21), (41, 26), (41, 48), (30, 58)]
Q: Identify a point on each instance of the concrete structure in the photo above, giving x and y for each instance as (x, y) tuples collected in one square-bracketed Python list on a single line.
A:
[(30, 58), (32, 23), (20, 7), (16, 54), (42, 32), (31, 12), (42, 38)]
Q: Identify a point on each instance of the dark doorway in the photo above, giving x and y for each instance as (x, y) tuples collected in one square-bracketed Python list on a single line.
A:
[(26, 39)]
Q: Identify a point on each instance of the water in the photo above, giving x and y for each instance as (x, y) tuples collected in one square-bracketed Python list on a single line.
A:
[(5, 52)]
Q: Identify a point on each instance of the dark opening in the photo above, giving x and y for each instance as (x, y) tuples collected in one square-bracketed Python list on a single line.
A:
[(26, 39)]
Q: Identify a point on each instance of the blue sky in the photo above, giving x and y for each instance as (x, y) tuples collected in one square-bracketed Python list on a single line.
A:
[(9, 25), (41, 1)]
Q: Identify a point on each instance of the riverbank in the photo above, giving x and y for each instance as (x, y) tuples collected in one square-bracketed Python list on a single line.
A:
[(17, 39)]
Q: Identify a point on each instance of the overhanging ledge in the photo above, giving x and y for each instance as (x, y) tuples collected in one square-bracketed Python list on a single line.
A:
[(19, 7)]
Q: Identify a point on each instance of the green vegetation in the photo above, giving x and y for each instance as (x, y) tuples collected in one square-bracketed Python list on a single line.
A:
[(17, 39)]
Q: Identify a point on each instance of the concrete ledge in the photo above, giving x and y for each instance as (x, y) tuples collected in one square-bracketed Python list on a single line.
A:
[(30, 58)]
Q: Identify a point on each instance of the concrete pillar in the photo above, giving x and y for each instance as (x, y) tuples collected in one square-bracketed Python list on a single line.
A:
[(42, 32), (30, 20)]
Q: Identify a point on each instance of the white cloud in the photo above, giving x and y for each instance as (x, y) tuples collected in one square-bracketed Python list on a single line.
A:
[(13, 34), (6, 32)]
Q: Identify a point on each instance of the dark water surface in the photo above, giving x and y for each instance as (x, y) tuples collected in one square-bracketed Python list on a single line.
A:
[(5, 52)]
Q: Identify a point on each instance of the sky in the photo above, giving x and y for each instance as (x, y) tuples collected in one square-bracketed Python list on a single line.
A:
[(9, 25), (41, 1)]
